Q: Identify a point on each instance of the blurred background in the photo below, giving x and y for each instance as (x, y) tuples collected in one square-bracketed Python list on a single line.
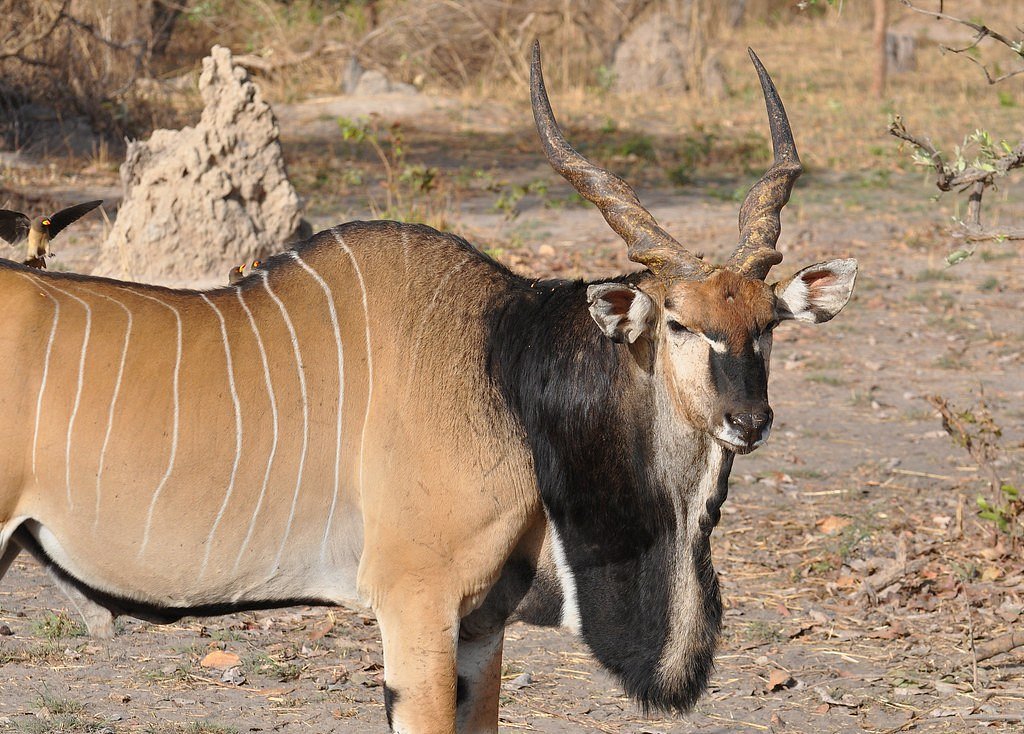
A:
[(118, 69)]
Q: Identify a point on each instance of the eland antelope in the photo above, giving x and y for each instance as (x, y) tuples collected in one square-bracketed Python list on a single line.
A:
[(438, 438)]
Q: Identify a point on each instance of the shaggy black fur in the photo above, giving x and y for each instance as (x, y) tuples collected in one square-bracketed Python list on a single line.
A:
[(390, 699), (587, 408)]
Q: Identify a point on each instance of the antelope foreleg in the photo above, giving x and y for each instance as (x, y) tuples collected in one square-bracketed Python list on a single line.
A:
[(479, 682), (419, 637)]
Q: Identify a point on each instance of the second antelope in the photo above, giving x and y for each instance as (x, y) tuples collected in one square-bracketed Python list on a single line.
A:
[(385, 415)]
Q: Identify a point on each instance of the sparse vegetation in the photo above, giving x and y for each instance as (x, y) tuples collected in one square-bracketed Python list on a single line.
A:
[(59, 716), (57, 626), (411, 190), (981, 161)]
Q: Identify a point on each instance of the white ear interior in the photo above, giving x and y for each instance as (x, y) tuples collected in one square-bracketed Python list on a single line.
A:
[(819, 292), (622, 311)]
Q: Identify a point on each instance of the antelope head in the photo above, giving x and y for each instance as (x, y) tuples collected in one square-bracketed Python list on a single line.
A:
[(709, 327)]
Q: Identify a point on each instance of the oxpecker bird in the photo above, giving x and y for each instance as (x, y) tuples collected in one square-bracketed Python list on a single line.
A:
[(236, 274), (15, 227)]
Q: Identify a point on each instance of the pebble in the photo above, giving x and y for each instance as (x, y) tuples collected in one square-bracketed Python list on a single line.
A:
[(520, 681)]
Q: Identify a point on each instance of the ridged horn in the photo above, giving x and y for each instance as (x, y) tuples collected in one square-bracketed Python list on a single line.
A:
[(646, 242), (759, 216)]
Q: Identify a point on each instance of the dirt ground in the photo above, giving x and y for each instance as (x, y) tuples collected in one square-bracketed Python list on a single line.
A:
[(856, 576)]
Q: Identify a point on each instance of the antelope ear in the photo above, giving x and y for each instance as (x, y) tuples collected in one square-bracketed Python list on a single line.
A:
[(817, 293), (623, 312)]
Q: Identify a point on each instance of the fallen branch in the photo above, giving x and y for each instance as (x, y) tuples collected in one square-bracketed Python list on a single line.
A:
[(899, 568), (999, 645), (265, 65)]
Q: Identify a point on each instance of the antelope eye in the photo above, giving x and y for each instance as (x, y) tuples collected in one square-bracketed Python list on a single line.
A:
[(676, 328)]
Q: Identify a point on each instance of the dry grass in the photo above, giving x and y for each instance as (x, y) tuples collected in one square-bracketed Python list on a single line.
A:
[(822, 67), (477, 49)]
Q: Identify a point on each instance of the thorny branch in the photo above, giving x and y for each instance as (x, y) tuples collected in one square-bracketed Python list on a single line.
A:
[(977, 179), (979, 448), (982, 32), (948, 179)]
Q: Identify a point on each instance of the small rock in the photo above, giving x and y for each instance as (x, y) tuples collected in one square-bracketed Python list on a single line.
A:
[(5, 630), (372, 81), (546, 251), (234, 676), (520, 681)]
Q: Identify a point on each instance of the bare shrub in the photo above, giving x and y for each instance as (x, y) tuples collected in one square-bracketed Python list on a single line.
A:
[(78, 57)]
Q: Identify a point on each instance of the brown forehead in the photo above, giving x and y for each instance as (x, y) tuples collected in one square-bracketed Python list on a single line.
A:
[(726, 306)]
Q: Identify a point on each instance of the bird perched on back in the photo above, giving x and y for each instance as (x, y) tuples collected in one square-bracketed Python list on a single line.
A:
[(236, 274), (257, 265), (16, 227)]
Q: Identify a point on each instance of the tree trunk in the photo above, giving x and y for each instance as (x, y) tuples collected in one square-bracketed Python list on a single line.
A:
[(881, 60)]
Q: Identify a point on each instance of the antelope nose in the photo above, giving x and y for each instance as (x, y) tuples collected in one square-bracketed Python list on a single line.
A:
[(750, 426)]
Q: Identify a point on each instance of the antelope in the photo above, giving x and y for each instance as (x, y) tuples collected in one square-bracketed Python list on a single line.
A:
[(384, 415)]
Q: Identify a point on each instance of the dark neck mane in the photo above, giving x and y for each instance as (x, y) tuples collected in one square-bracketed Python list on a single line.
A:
[(611, 470)]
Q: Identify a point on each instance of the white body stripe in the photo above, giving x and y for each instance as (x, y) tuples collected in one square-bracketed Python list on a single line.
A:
[(305, 415), (273, 416), (78, 391), (113, 403), (175, 390), (369, 353), (405, 261), (425, 314), (341, 395), (238, 433), (570, 604), (46, 366)]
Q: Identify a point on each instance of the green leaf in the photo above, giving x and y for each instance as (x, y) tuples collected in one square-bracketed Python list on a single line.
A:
[(957, 256)]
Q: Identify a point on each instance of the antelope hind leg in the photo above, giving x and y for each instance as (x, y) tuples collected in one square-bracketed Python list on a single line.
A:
[(99, 620), (419, 636)]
